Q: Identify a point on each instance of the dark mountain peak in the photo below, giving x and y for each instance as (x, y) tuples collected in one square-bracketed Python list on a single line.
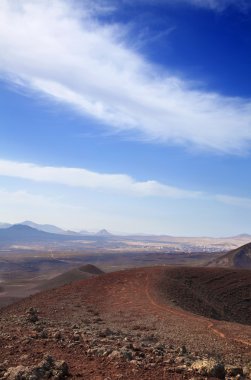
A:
[(50, 228), (103, 232), (237, 258), (89, 268), (23, 233), (26, 222), (243, 236), (75, 274), (21, 227)]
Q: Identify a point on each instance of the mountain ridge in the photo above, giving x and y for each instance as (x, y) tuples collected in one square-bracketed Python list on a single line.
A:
[(236, 258)]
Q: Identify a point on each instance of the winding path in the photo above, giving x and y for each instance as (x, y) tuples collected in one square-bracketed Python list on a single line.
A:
[(180, 313)]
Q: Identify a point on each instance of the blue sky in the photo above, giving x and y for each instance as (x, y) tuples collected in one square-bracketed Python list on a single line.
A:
[(133, 116)]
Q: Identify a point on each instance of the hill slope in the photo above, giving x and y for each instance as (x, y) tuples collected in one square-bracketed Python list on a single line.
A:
[(223, 294), (124, 325), (44, 227), (80, 273), (237, 258)]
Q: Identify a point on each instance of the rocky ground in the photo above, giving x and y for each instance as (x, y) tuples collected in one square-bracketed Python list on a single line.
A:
[(118, 326)]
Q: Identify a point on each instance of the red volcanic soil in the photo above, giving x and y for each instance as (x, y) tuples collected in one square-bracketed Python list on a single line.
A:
[(130, 324)]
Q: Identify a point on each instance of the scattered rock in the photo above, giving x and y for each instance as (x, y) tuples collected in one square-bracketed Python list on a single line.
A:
[(106, 332), (76, 337), (32, 315), (114, 354), (127, 354), (232, 371), (48, 368), (43, 334), (209, 367), (247, 371), (182, 350), (15, 373), (57, 335)]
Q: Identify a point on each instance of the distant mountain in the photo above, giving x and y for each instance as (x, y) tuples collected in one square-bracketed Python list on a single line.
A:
[(242, 236), (47, 228), (20, 233), (238, 258), (84, 232), (76, 274), (5, 225), (103, 233), (70, 232)]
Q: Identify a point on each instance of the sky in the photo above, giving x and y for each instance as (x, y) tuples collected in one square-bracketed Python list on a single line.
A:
[(134, 116)]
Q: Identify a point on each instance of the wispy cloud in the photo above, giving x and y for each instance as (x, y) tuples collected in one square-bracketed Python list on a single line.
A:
[(61, 50), (23, 197), (121, 184), (79, 177), (234, 201)]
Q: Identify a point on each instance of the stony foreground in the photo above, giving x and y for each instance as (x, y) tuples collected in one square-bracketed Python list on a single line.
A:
[(118, 326)]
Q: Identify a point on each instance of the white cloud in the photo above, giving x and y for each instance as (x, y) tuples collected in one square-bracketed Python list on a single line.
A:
[(88, 210), (234, 201), (60, 49), (23, 197), (79, 177), (121, 184)]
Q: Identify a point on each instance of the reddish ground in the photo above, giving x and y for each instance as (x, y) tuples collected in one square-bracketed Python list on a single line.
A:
[(137, 303)]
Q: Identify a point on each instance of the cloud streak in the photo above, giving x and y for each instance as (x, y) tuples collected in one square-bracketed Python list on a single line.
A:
[(61, 50), (121, 184), (79, 177), (234, 201)]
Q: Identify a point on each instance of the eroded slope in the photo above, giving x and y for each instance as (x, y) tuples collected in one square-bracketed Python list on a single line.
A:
[(223, 294)]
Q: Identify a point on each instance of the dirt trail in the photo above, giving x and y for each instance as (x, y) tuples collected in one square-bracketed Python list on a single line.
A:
[(130, 303), (175, 311), (180, 313), (135, 296)]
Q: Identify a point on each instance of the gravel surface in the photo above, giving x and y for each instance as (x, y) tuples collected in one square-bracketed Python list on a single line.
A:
[(121, 325)]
